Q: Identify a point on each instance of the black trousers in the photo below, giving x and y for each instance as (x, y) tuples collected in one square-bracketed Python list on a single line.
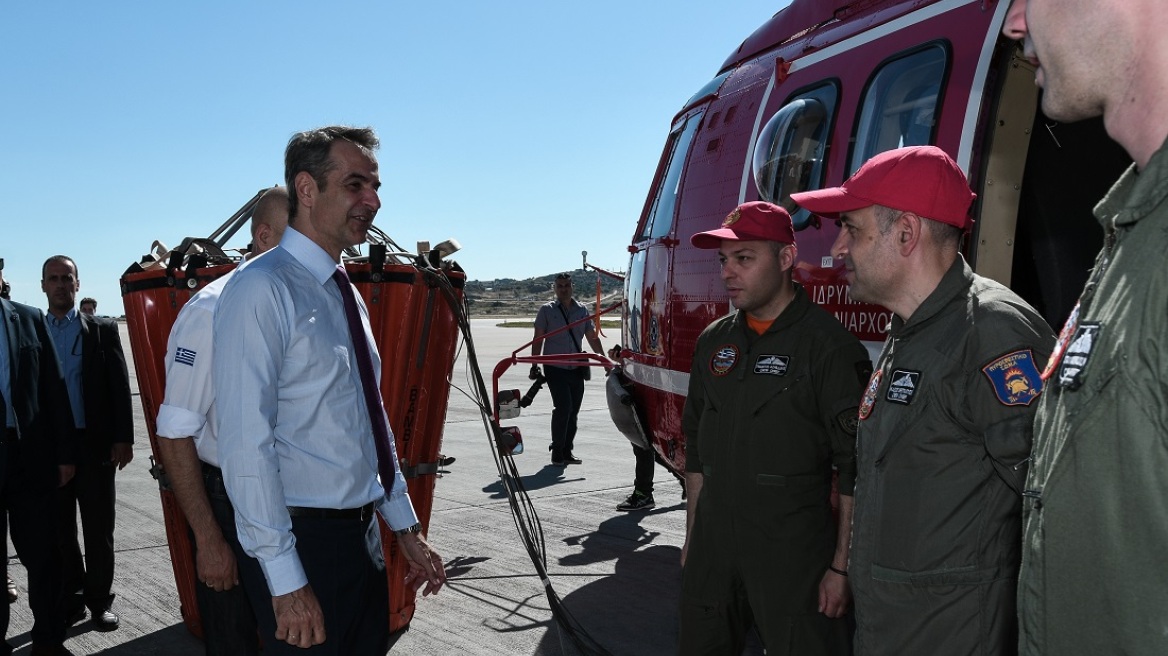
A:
[(567, 389), (30, 511), (229, 625), (644, 471), (92, 489), (351, 590)]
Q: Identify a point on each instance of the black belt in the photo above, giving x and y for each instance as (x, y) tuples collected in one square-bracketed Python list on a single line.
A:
[(213, 480), (364, 513)]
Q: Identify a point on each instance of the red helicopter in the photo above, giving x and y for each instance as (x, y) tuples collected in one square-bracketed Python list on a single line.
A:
[(807, 98)]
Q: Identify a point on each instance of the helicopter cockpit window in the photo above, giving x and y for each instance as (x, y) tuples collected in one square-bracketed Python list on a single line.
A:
[(789, 153), (900, 104), (660, 219)]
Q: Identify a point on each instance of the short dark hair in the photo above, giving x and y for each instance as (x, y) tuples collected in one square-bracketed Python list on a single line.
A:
[(62, 259), (310, 151), (88, 299), (563, 276)]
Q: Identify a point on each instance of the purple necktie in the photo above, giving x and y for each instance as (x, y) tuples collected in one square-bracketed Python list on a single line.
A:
[(385, 464)]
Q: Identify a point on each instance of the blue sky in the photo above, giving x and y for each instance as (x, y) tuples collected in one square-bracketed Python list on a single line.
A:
[(529, 131)]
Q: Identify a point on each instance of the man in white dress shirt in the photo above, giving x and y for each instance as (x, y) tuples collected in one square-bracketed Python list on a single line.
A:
[(296, 441)]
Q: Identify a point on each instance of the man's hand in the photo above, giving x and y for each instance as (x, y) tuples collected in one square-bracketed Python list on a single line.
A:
[(215, 565), (299, 620), (65, 474), (425, 564), (121, 453), (534, 374), (834, 594)]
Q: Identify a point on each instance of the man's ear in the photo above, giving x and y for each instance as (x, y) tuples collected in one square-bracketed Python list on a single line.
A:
[(908, 227), (263, 235), (305, 189), (787, 256)]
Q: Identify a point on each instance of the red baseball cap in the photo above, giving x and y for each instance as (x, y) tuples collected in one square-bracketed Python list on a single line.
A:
[(754, 221), (918, 179)]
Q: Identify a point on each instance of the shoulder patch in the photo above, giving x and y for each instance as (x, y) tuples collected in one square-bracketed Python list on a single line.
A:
[(185, 356), (724, 360), (1015, 378), (849, 421)]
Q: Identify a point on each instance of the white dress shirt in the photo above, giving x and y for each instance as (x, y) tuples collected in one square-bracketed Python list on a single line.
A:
[(292, 424), (188, 409)]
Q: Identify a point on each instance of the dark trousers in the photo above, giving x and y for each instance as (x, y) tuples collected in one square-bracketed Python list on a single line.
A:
[(92, 489), (30, 511), (644, 472), (352, 592), (567, 389), (229, 625)]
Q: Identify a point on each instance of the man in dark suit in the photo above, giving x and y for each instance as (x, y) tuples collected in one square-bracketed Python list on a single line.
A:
[(98, 383), (38, 452)]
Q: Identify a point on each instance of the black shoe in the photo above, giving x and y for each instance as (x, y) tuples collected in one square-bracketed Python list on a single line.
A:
[(637, 501), (13, 595), (570, 459), (105, 620), (558, 460), (76, 615)]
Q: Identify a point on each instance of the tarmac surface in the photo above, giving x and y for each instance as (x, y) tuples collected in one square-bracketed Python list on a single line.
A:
[(618, 574)]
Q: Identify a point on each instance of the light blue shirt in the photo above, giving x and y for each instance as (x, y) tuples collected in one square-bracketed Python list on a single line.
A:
[(66, 334), (292, 425), (6, 372)]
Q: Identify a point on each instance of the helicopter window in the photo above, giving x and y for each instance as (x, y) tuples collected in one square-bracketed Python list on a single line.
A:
[(660, 219), (900, 104), (789, 153)]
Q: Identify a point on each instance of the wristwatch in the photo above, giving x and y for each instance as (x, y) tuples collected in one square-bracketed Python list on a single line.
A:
[(416, 528)]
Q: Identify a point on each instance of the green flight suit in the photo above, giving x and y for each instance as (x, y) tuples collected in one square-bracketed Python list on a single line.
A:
[(944, 435), (1094, 572), (765, 419)]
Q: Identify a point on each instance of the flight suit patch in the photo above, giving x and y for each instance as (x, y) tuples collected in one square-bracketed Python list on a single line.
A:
[(772, 365), (724, 360), (903, 386), (849, 421), (869, 399), (1077, 354), (1015, 378)]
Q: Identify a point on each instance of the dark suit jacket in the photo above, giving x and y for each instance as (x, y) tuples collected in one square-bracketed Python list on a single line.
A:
[(105, 388), (43, 419)]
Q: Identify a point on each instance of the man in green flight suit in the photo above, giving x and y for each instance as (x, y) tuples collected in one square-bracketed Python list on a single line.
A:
[(1093, 573), (945, 422), (771, 408)]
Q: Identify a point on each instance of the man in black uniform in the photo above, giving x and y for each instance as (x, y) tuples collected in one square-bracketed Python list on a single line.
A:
[(773, 395)]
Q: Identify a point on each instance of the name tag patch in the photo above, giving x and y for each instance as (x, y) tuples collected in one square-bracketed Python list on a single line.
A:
[(185, 356), (1077, 355), (1015, 378), (903, 386), (772, 365), (724, 360)]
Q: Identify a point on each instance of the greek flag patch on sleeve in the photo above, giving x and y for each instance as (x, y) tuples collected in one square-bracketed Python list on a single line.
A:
[(1015, 378), (185, 356)]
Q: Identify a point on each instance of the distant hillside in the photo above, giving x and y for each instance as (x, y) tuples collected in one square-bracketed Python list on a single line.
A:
[(516, 298)]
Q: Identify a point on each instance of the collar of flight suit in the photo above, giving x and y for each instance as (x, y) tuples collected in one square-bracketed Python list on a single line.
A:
[(1137, 193), (790, 315), (953, 285)]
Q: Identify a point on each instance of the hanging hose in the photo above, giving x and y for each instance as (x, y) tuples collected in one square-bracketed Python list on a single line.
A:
[(522, 510)]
